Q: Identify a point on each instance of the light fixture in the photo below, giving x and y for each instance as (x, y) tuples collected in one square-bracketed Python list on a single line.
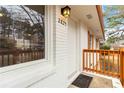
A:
[(1, 14), (65, 11)]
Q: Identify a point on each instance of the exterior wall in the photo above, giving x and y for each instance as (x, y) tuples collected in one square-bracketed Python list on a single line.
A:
[(61, 54), (84, 35), (51, 72), (61, 77)]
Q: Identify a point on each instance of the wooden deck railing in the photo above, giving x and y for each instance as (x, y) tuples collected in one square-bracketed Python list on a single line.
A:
[(15, 56), (106, 62), (102, 61)]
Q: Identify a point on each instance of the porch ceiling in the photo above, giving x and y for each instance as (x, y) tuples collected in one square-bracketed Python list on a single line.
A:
[(89, 15)]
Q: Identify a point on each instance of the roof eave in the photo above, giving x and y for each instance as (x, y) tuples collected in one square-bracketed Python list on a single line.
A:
[(100, 15)]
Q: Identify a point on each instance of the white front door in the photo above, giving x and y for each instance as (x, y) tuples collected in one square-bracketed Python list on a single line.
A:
[(72, 66)]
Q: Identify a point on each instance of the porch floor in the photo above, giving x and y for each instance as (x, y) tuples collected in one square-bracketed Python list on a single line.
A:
[(100, 82)]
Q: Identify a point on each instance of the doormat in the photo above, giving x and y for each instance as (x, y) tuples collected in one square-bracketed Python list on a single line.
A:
[(82, 81)]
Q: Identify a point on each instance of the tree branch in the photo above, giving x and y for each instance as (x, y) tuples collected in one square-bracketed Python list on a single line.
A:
[(27, 13)]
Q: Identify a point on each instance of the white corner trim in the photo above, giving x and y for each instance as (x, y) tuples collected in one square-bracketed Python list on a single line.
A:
[(26, 76)]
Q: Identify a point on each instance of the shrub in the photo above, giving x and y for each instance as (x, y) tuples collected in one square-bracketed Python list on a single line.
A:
[(7, 43), (105, 47)]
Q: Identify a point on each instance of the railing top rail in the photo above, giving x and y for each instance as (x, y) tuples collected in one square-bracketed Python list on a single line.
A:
[(95, 50), (13, 51)]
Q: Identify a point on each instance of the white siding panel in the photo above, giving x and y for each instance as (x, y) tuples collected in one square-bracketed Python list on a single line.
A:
[(61, 38)]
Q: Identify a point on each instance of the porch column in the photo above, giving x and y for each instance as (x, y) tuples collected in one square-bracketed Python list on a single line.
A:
[(122, 65)]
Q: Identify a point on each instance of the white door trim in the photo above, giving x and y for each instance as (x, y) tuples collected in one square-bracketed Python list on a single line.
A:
[(77, 50)]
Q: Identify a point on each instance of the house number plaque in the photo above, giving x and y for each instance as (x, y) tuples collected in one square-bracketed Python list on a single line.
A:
[(61, 21)]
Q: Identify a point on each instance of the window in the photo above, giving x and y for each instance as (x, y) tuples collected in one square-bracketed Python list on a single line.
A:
[(22, 34), (91, 42), (97, 43)]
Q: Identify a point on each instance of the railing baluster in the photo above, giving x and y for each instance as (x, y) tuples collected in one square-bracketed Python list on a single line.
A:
[(83, 65), (86, 61), (21, 57), (113, 65), (14, 58), (104, 62), (118, 64), (108, 63), (24, 57), (93, 60), (90, 61), (96, 61), (8, 59), (100, 62), (3, 60), (31, 55), (122, 65), (34, 55), (28, 55), (37, 54), (40, 54), (0, 61)]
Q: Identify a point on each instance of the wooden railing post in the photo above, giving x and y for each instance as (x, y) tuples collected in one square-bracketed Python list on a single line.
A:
[(15, 56), (83, 60), (122, 65)]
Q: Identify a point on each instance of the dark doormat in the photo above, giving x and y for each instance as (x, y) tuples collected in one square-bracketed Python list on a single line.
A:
[(82, 81)]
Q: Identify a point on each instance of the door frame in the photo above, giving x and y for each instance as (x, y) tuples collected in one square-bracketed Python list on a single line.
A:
[(74, 75)]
